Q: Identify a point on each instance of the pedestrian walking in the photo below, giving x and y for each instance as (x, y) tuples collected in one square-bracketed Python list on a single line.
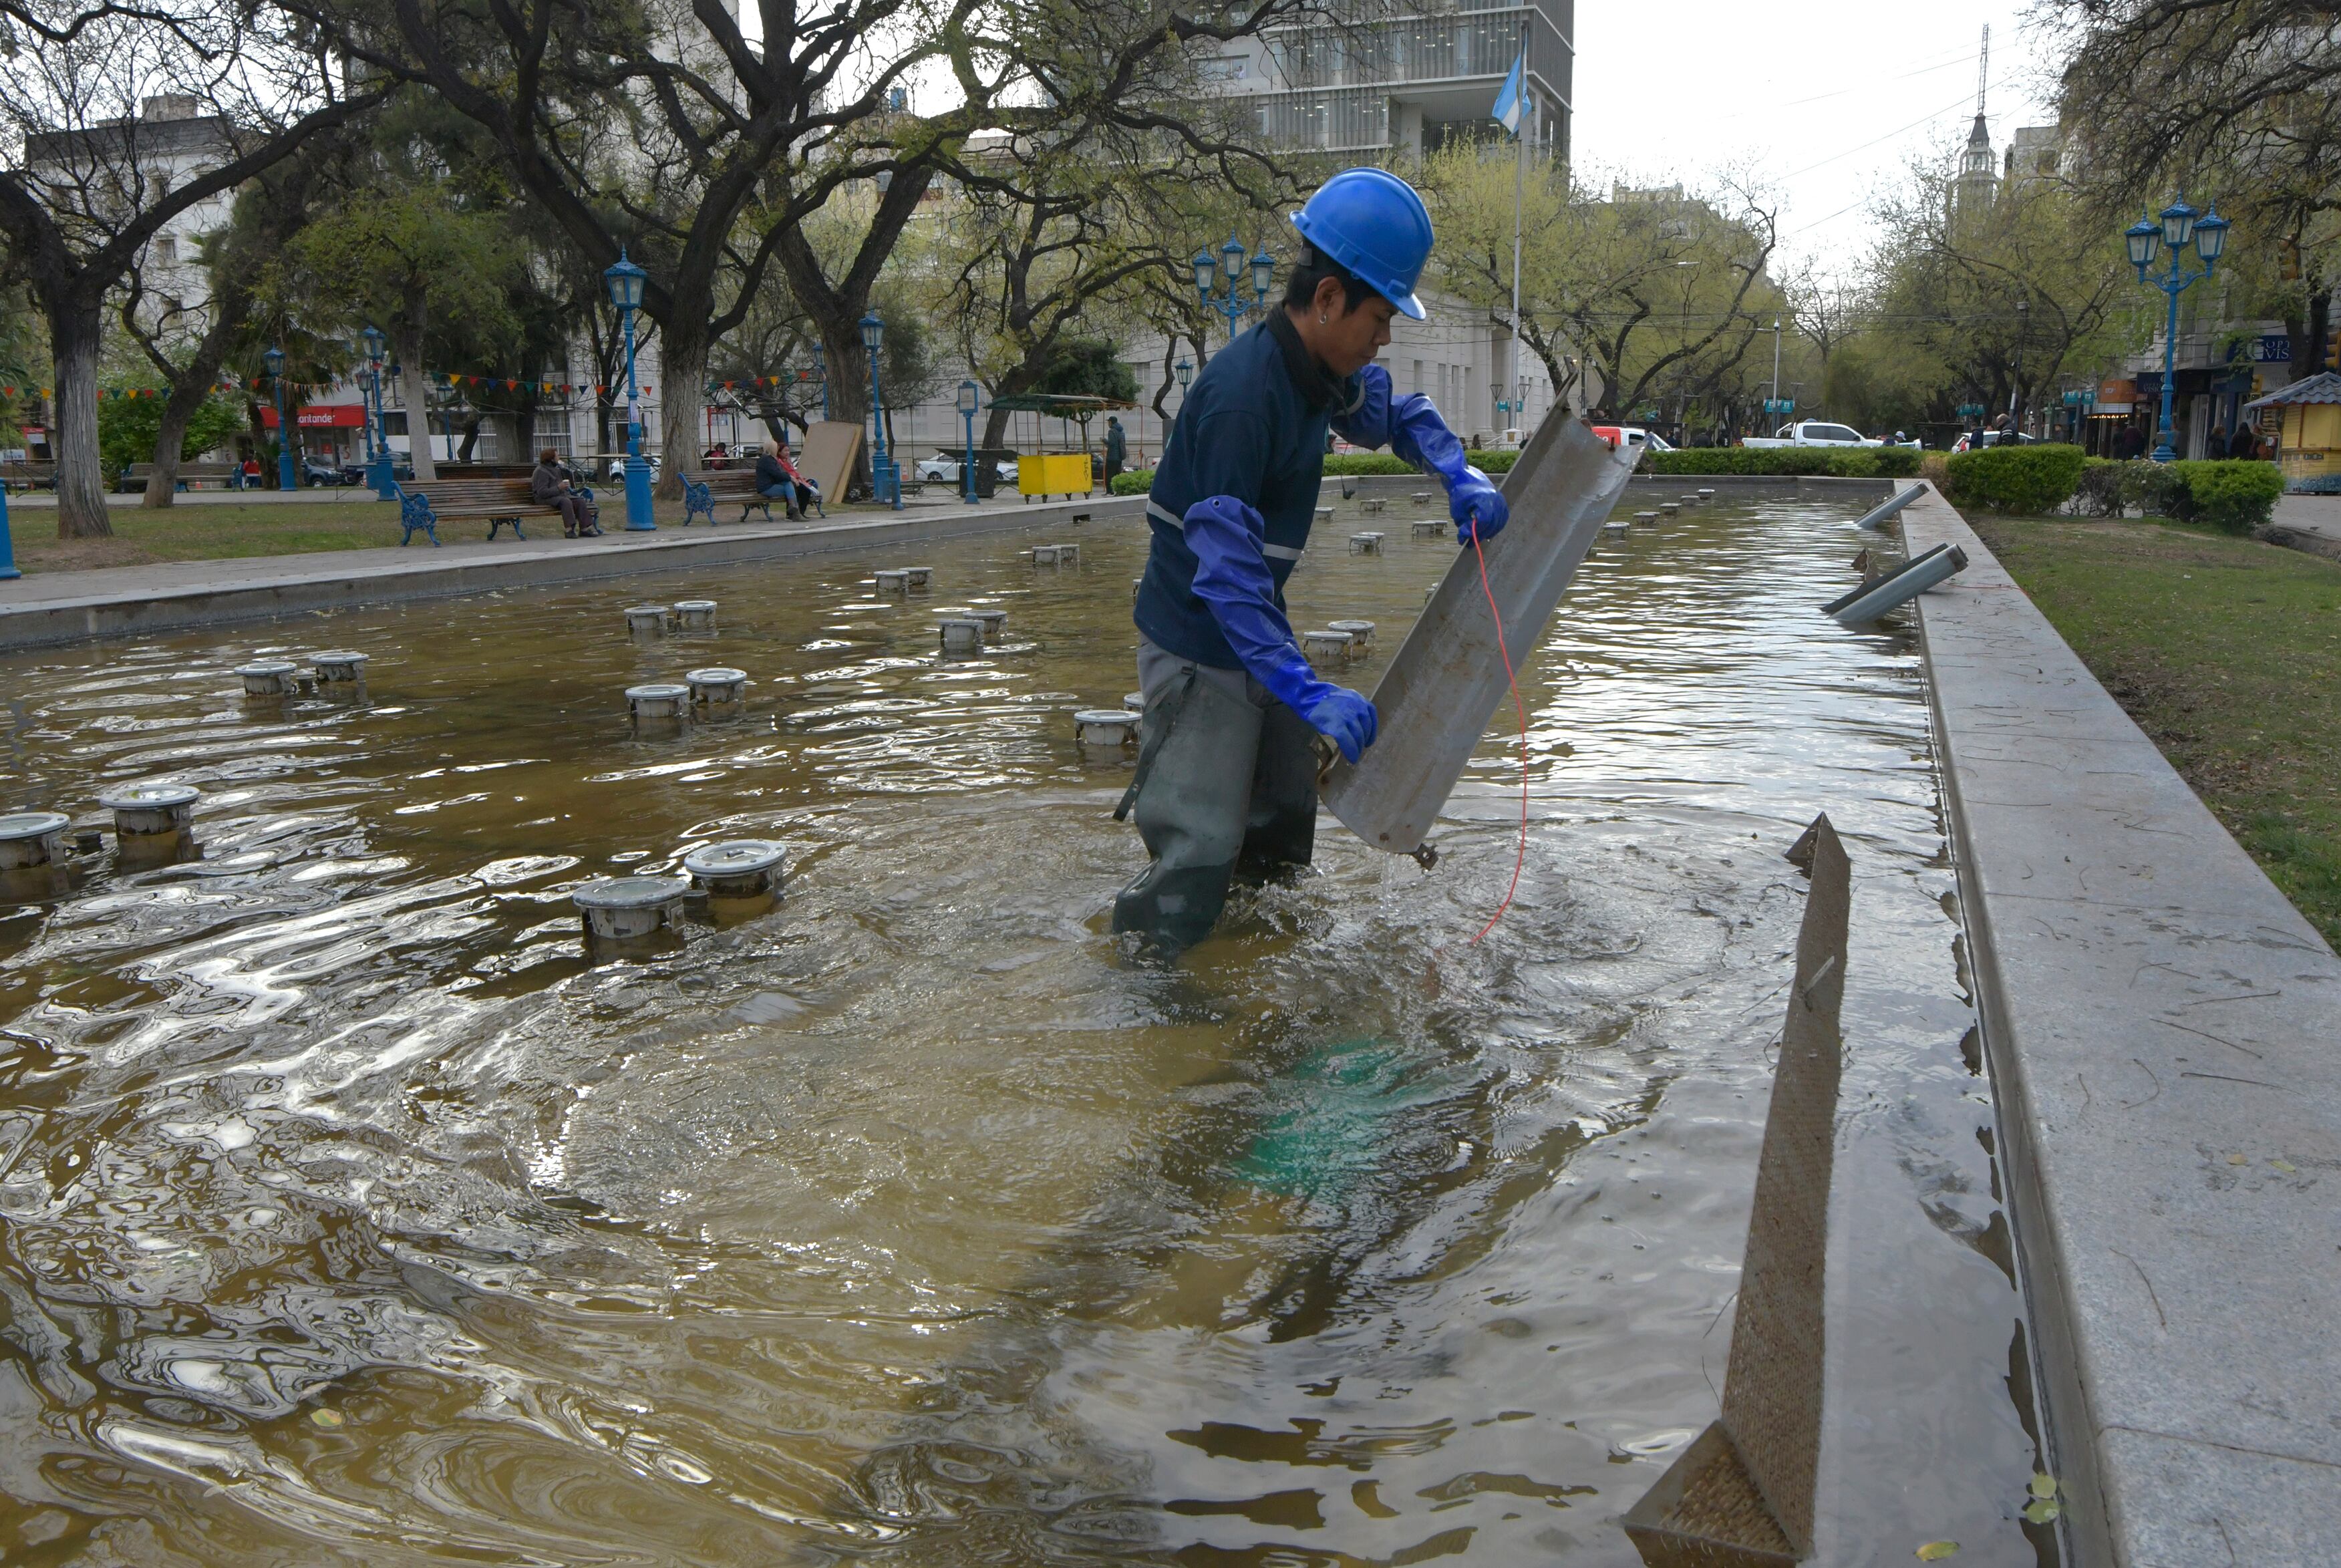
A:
[(1117, 449)]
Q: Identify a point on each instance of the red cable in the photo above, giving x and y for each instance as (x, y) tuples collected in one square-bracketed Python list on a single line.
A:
[(1520, 708)]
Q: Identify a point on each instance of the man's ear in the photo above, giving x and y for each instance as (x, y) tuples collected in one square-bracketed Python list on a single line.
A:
[(1331, 299)]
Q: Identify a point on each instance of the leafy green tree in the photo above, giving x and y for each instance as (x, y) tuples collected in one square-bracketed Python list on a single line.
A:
[(1997, 302), (1090, 366), (1631, 292), (128, 428), (410, 255)]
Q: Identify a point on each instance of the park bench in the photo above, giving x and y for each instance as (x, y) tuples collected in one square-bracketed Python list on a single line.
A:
[(704, 493), (192, 475), (423, 506), (30, 474)]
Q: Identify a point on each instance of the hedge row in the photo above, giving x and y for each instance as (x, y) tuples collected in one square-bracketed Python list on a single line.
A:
[(1835, 461), (2032, 480), (1137, 481), (2233, 494)]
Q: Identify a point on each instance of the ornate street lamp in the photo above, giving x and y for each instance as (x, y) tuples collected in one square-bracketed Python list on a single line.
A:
[(1229, 302), (288, 478), (1186, 372), (2178, 227), (625, 283), (970, 399), (380, 470), (885, 483), (821, 370)]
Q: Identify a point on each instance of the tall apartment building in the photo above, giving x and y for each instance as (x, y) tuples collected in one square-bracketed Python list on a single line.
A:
[(1372, 77)]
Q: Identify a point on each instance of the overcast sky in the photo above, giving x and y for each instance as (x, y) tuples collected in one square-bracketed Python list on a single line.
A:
[(1826, 98)]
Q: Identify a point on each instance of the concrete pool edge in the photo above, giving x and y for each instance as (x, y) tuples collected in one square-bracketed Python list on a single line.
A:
[(2155, 1012), (136, 601)]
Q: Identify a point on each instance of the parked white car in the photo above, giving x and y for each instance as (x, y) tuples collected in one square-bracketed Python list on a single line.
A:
[(1813, 432), (945, 467)]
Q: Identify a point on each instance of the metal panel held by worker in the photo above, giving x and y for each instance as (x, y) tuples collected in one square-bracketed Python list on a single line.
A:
[(1447, 678)]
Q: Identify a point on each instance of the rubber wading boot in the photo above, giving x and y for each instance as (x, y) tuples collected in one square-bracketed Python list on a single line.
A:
[(1193, 805)]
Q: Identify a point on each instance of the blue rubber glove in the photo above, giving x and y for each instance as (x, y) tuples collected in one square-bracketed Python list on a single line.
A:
[(1232, 577), (1410, 427)]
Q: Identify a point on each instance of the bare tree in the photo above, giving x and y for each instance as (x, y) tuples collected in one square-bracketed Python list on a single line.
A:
[(702, 152), (2236, 99), (132, 117), (1056, 224)]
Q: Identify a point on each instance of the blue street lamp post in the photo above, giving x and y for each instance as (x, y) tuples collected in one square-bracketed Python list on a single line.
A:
[(885, 483), (383, 474), (1230, 302), (821, 369), (626, 282), (970, 398), (1186, 372), (8, 572), (2179, 225), (286, 479)]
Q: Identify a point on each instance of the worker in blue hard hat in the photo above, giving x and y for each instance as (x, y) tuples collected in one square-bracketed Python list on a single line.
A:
[(1227, 779)]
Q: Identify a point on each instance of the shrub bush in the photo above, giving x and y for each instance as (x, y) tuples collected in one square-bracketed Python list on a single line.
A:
[(1366, 463), (2030, 480), (2100, 492), (1132, 482), (1487, 462), (2236, 494), (1833, 462)]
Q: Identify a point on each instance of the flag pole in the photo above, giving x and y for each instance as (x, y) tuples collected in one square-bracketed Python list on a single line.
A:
[(1520, 185)]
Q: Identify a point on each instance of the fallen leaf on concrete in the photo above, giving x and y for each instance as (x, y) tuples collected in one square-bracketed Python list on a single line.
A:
[(1936, 1550)]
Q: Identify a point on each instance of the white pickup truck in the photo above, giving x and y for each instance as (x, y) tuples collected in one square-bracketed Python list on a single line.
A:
[(1813, 432)]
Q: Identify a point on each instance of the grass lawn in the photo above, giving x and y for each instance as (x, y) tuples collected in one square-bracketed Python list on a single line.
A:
[(218, 531), (2228, 652)]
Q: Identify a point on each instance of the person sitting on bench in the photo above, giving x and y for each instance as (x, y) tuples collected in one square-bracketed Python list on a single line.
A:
[(777, 479), (550, 485)]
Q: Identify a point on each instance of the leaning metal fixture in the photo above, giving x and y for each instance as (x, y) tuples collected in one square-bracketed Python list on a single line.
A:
[(1742, 1494), (1904, 582)]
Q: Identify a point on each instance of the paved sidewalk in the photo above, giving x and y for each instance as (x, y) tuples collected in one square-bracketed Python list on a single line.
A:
[(2320, 515), (52, 607), (2160, 1021), (132, 501)]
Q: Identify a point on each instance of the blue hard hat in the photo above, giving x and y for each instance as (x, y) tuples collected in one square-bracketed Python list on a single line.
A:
[(1373, 223)]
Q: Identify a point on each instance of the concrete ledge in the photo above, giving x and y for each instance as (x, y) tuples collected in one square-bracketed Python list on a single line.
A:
[(46, 609), (2161, 1025)]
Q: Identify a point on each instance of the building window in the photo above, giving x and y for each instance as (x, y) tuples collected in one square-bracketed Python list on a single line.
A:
[(166, 248), (1225, 68), (1416, 384)]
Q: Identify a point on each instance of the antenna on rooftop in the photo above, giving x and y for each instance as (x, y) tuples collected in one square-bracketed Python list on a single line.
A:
[(1983, 70)]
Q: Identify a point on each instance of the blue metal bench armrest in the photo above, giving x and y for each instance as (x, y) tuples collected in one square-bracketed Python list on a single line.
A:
[(415, 515)]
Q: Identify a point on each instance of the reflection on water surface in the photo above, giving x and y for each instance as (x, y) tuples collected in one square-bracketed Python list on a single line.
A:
[(352, 1216)]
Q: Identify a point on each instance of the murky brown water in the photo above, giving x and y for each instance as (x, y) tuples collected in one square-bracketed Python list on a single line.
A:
[(352, 1216)]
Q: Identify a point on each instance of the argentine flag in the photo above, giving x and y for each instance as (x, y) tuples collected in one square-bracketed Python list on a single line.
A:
[(1512, 104)]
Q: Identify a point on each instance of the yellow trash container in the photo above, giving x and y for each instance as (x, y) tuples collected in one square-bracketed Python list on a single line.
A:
[(1053, 473)]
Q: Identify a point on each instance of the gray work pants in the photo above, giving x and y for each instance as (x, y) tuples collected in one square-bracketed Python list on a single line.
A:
[(1227, 785)]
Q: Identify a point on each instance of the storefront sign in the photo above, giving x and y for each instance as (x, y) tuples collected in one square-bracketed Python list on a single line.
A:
[(333, 416), (2272, 349)]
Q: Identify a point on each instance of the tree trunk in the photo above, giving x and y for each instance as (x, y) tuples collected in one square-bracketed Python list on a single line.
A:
[(683, 367), (470, 435), (190, 387), (2320, 326), (74, 335), (413, 388), (171, 435)]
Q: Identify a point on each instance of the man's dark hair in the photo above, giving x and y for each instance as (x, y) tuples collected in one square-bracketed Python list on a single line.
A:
[(1313, 267)]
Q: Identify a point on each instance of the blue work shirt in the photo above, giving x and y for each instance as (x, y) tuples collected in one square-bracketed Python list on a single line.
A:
[(1253, 426)]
